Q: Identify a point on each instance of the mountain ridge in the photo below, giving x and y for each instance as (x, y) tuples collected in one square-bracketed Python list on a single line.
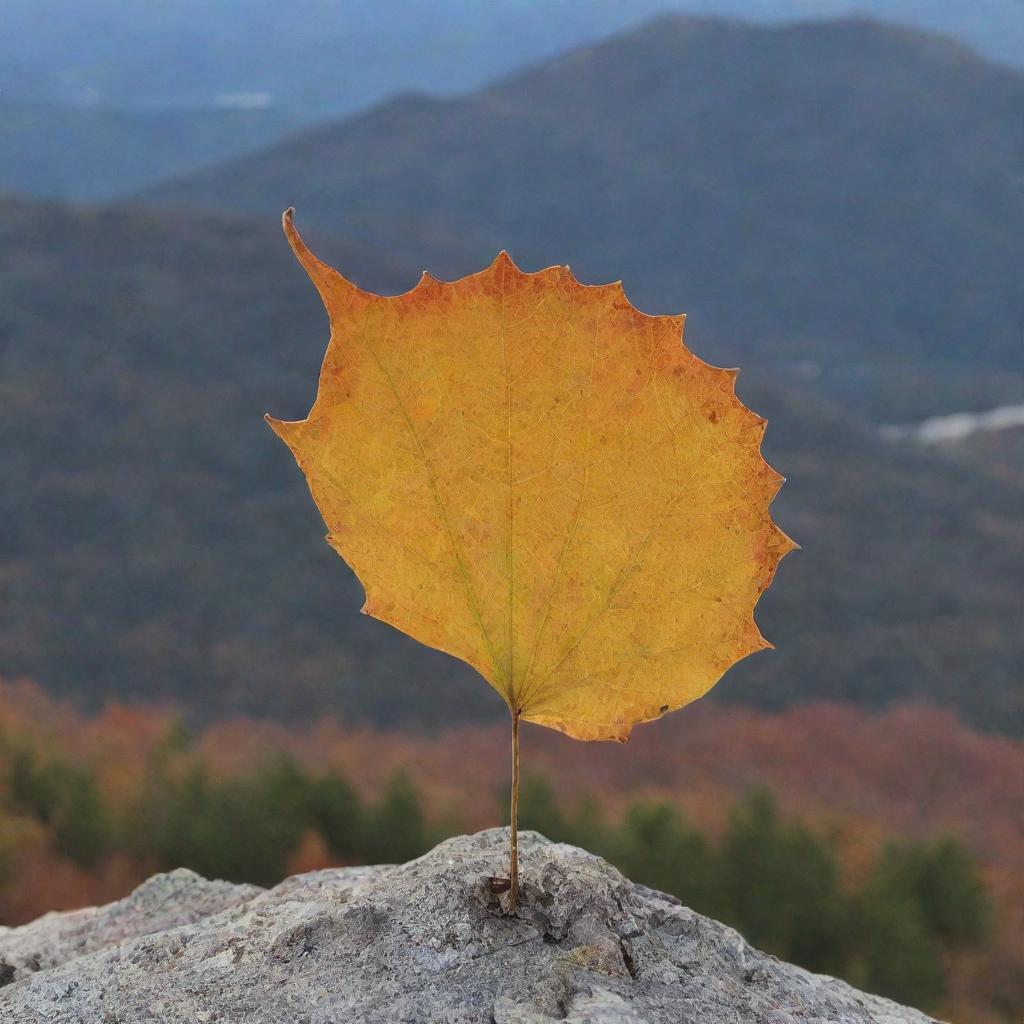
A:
[(182, 53), (96, 154), (170, 549), (811, 195)]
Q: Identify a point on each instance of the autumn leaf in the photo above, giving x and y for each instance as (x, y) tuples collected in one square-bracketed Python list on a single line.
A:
[(530, 474)]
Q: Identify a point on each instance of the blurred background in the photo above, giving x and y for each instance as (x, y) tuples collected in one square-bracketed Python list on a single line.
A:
[(834, 193)]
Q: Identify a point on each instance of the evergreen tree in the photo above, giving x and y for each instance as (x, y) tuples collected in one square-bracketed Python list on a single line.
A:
[(539, 810), (64, 798), (395, 829), (32, 788), (943, 879), (895, 955), (780, 886), (241, 830), (655, 846), (587, 828), (337, 814), (921, 900), (81, 826)]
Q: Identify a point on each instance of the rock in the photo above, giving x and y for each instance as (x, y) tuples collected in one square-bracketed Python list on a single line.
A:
[(419, 942)]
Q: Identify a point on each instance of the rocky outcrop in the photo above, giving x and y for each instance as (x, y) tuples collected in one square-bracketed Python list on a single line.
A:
[(423, 942)]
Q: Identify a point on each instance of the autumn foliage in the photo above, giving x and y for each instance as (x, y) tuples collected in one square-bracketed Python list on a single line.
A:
[(861, 826)]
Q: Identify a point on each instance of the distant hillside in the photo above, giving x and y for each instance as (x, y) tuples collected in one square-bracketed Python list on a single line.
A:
[(840, 199), (994, 437), (157, 542), (51, 151), (325, 58)]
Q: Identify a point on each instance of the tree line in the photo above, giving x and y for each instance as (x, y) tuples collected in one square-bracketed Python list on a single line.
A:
[(892, 929)]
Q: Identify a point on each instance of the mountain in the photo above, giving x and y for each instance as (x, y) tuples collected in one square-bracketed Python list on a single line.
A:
[(53, 151), (105, 98), (157, 542), (841, 200), (326, 58)]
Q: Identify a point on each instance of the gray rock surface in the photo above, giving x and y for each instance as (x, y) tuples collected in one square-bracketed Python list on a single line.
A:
[(419, 942)]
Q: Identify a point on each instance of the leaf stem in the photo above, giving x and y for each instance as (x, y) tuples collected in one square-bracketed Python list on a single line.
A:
[(513, 894)]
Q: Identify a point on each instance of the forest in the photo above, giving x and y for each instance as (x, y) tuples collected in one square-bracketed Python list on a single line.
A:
[(840, 879)]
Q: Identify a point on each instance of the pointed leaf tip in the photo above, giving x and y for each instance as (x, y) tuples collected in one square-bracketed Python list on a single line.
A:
[(287, 430), (525, 379), (334, 289)]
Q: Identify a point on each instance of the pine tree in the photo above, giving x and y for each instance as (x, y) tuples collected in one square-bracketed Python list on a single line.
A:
[(395, 829), (655, 846), (780, 886)]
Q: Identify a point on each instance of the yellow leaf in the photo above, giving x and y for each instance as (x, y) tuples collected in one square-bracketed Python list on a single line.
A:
[(528, 473)]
